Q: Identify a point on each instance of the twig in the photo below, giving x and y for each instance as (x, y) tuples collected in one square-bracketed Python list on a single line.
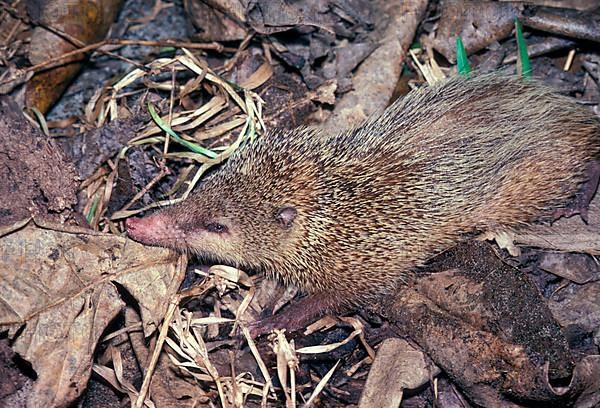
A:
[(163, 172), (156, 353), (59, 60)]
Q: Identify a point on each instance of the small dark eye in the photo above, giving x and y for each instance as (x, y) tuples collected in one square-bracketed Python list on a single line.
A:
[(216, 228)]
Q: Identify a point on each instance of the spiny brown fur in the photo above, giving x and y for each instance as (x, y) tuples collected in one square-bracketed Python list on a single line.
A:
[(372, 202)]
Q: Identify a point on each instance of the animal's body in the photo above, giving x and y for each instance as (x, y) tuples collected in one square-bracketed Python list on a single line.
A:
[(346, 216)]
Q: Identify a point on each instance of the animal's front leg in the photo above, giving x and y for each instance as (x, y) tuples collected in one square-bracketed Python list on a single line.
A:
[(297, 315)]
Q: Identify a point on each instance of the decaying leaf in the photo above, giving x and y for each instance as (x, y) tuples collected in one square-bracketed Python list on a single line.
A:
[(218, 20), (60, 289), (578, 268), (577, 305)]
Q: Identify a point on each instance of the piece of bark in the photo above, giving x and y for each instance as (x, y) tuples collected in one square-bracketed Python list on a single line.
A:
[(33, 171), (486, 325), (566, 234)]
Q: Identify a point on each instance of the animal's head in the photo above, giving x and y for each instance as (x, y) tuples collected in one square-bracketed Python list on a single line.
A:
[(250, 212)]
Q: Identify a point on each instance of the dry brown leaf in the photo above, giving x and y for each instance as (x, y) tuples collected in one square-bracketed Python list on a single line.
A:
[(478, 23), (325, 93), (577, 306), (397, 366), (58, 295), (218, 130), (374, 78), (224, 23), (259, 77), (86, 21), (567, 234), (578, 268)]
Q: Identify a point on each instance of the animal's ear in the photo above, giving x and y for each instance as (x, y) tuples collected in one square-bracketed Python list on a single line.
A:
[(285, 216)]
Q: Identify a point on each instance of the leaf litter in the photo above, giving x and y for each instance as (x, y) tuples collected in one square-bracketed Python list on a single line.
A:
[(70, 287), (100, 188), (61, 291)]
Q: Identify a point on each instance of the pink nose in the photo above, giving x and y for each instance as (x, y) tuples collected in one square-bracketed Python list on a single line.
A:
[(131, 223), (155, 229), (145, 230)]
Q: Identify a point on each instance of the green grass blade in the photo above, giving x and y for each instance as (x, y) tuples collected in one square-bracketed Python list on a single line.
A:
[(192, 146), (524, 65), (92, 212), (462, 61)]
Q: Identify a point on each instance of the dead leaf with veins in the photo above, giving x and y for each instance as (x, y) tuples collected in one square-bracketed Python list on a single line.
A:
[(59, 289)]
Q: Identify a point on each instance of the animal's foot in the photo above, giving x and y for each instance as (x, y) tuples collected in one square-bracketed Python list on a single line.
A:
[(267, 325)]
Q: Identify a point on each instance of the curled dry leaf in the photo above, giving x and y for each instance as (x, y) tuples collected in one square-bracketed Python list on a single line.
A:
[(326, 348), (59, 292), (585, 383), (81, 22)]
